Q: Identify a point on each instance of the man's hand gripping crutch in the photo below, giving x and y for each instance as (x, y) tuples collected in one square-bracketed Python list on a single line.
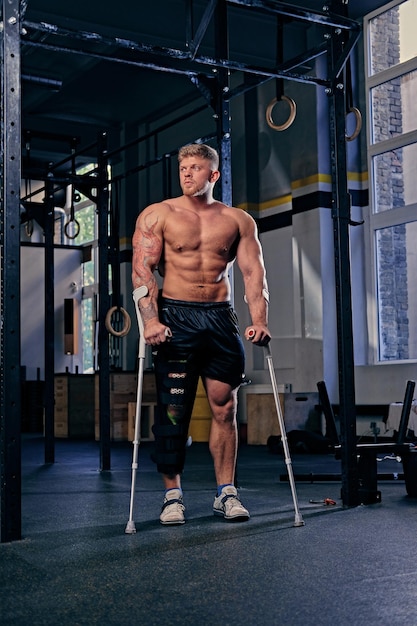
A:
[(259, 338), (139, 292)]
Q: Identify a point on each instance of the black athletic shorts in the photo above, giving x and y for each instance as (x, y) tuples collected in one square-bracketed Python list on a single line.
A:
[(206, 335)]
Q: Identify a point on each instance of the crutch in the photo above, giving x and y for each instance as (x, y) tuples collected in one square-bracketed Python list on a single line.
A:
[(138, 293), (298, 521)]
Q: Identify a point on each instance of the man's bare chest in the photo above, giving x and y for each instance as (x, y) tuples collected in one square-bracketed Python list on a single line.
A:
[(216, 236)]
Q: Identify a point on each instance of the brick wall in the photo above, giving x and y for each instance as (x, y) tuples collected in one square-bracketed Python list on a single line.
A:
[(387, 122)]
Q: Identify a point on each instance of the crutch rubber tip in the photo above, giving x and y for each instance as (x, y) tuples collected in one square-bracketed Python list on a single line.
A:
[(299, 522), (130, 528)]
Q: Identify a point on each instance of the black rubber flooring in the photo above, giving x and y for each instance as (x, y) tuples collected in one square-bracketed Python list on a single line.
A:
[(76, 566)]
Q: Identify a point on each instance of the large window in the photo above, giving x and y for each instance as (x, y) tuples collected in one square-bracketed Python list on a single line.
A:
[(86, 217), (391, 82)]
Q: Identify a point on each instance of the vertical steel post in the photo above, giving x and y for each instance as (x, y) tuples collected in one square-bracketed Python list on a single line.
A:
[(222, 107), (49, 324), (341, 223), (103, 302), (10, 395), (222, 111)]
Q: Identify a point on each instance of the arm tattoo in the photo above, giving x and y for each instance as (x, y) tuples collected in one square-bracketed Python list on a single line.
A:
[(147, 251)]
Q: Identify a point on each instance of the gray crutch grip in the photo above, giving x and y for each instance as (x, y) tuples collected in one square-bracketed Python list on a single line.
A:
[(138, 293)]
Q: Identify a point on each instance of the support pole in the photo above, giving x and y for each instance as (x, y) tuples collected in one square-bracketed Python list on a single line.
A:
[(222, 111), (222, 106), (10, 392), (103, 302), (341, 224), (49, 323)]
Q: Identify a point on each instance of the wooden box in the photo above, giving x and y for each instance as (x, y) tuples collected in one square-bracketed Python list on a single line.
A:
[(147, 419), (262, 417), (61, 407), (123, 393), (74, 406)]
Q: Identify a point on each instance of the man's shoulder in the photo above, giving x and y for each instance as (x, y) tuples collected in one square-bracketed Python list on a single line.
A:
[(161, 206), (158, 210), (239, 214)]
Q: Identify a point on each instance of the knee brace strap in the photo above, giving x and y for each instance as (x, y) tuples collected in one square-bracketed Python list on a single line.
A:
[(170, 442), (169, 430), (176, 390), (174, 387)]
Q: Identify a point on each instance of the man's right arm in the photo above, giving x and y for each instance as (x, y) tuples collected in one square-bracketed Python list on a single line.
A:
[(147, 245)]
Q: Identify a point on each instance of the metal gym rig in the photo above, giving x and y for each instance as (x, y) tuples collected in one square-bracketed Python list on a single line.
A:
[(341, 35)]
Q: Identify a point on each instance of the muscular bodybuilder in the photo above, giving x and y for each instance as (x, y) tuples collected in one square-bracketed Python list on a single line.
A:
[(192, 240)]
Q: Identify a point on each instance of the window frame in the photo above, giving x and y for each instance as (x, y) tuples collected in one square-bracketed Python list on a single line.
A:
[(390, 218)]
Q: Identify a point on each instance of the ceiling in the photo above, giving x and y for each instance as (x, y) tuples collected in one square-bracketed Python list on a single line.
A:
[(93, 66)]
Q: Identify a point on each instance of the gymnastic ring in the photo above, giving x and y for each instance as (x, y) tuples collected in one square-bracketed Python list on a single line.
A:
[(126, 322), (77, 229), (358, 127), (291, 117), (29, 228)]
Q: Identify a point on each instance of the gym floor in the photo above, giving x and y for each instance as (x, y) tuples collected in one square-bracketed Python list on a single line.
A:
[(75, 565)]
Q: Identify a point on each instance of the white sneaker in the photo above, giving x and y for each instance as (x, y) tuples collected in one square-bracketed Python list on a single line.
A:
[(173, 508), (228, 505)]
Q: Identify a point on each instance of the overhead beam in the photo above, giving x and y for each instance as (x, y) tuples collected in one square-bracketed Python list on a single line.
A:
[(251, 81), (186, 61), (298, 13), (200, 63)]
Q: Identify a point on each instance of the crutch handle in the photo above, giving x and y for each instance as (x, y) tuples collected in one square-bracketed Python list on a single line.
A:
[(138, 293), (251, 334)]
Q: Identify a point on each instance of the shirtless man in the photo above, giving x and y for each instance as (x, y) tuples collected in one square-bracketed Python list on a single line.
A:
[(193, 240)]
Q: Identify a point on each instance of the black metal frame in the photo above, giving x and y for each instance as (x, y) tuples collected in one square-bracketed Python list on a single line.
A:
[(198, 68), (341, 214), (104, 302), (186, 60), (10, 393), (49, 342)]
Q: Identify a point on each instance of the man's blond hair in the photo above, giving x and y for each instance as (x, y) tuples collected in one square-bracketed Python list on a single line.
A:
[(200, 150)]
